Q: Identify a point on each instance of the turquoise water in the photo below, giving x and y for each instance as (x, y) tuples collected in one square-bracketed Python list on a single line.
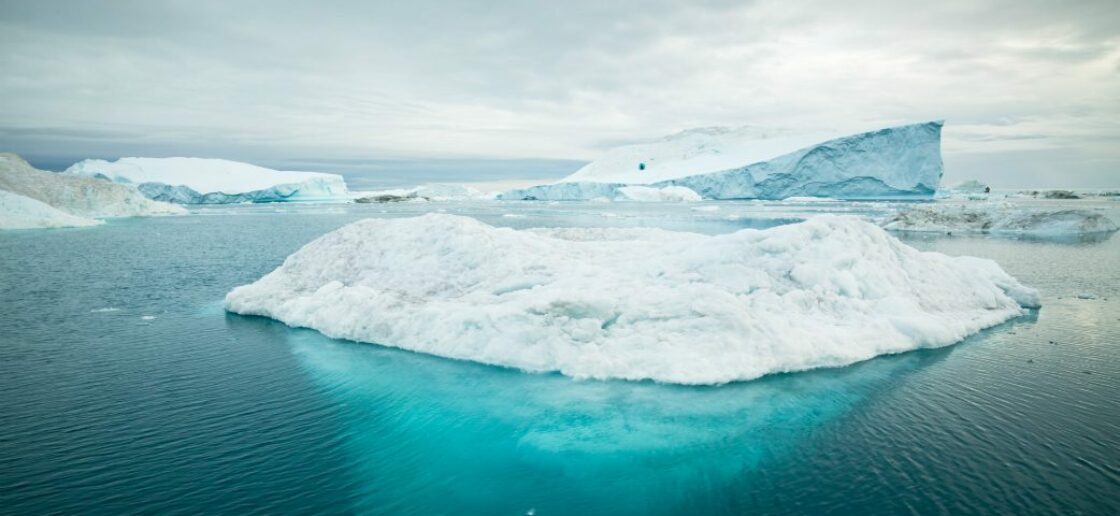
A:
[(124, 387)]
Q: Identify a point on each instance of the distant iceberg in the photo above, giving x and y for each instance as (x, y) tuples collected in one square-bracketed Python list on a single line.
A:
[(897, 162), (634, 303), (37, 198), (214, 181), (426, 192), (991, 217)]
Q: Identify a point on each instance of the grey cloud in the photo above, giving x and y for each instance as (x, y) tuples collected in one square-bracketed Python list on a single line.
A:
[(364, 81)]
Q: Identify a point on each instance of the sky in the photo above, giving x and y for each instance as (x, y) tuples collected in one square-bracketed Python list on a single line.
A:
[(408, 92)]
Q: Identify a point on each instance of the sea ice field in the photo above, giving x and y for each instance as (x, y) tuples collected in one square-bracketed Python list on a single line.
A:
[(127, 384)]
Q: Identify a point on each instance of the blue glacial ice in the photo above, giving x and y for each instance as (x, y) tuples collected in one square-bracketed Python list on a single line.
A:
[(896, 162)]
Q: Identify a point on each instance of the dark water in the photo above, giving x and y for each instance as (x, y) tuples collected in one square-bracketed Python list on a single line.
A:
[(124, 387)]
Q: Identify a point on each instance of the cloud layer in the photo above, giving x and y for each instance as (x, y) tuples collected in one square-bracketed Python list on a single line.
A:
[(1030, 90)]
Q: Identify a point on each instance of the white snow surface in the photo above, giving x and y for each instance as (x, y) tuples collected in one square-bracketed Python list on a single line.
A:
[(19, 212), (694, 151), (80, 196), (652, 194), (998, 217), (894, 162), (634, 303), (211, 175)]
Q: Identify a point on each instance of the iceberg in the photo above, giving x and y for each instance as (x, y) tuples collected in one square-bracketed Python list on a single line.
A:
[(971, 190), (20, 212), (998, 218), (892, 163), (214, 181), (428, 192), (81, 197), (634, 304)]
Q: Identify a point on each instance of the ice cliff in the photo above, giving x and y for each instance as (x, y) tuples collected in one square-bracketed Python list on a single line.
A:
[(214, 181), (77, 199), (897, 162), (634, 303)]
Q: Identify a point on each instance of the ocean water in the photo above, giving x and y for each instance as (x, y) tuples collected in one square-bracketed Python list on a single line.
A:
[(124, 387)]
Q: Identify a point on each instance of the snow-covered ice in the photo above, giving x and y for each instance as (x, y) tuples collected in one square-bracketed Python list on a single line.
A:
[(20, 212), (634, 303), (214, 181), (80, 197), (895, 162), (998, 217)]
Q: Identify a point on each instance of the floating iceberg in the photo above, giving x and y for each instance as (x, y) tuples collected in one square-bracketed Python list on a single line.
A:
[(19, 212), (214, 181), (898, 162), (428, 192), (972, 190), (998, 218), (81, 198), (971, 186), (634, 303)]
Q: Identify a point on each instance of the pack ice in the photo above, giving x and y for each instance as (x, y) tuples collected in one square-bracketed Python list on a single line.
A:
[(634, 304), (39, 199), (720, 163), (214, 181), (999, 217)]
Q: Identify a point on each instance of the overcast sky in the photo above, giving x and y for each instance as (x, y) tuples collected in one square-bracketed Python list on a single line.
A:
[(1030, 90)]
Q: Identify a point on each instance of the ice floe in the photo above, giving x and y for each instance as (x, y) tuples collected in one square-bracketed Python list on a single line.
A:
[(999, 217), (634, 303)]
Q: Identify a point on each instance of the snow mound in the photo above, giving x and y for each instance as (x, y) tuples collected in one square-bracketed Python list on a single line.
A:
[(998, 218), (80, 196), (634, 303), (19, 212), (214, 181), (896, 162), (667, 194)]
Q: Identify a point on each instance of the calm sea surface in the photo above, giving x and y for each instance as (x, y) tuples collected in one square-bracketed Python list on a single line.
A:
[(124, 387)]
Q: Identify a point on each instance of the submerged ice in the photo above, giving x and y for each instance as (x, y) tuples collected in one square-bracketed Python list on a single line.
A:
[(634, 303), (896, 162)]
